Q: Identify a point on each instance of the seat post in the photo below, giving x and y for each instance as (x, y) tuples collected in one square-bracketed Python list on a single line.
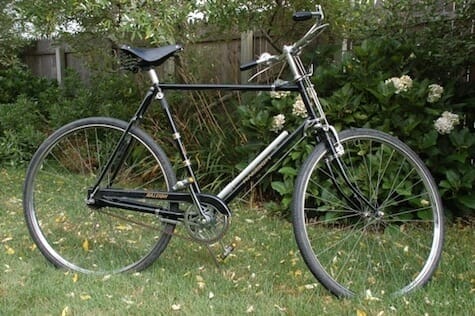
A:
[(153, 76)]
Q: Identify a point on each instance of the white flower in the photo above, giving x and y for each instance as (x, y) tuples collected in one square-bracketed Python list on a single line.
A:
[(298, 109), (401, 84), (445, 124), (278, 122), (435, 93), (195, 16), (279, 94)]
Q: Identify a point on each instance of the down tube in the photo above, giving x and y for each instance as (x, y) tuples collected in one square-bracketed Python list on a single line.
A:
[(269, 155)]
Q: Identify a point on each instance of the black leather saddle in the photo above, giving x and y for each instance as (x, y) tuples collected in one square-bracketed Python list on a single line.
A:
[(147, 57)]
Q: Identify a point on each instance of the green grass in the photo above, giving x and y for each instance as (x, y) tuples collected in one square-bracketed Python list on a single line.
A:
[(264, 276)]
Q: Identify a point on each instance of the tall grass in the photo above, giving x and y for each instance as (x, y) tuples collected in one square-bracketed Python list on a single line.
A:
[(265, 275)]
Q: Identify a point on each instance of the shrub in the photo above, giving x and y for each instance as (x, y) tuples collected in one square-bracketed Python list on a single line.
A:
[(375, 86), (434, 118), (262, 118), (31, 107), (22, 112)]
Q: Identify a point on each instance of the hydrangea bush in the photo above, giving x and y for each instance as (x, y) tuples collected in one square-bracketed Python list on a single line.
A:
[(380, 85), (262, 119), (376, 87)]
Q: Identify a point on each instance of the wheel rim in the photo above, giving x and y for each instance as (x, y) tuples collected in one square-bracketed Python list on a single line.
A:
[(77, 237), (388, 249)]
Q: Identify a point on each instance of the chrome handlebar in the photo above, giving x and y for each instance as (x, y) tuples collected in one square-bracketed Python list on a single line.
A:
[(315, 30)]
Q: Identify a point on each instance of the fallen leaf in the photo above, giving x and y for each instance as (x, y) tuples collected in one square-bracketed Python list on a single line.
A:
[(85, 297), (75, 277), (85, 245), (176, 307), (250, 309), (359, 312), (65, 311), (369, 296), (281, 309), (310, 286), (9, 250)]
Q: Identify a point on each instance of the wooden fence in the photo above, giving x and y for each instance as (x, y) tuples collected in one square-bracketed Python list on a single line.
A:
[(217, 60), (50, 61)]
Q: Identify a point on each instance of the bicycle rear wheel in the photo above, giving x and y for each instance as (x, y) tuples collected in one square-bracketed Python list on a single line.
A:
[(390, 245), (103, 240)]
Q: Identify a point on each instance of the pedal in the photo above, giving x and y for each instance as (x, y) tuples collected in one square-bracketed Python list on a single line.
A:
[(227, 251)]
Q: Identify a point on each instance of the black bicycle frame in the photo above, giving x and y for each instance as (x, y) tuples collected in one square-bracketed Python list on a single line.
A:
[(269, 155), (120, 152), (124, 198)]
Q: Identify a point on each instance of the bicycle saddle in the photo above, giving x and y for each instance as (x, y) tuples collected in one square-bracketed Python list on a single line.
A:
[(151, 56)]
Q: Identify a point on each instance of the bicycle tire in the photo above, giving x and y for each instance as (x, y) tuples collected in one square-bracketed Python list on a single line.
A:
[(76, 237), (356, 251)]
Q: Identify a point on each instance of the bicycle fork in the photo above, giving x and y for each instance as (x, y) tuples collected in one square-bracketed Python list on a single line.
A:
[(357, 199)]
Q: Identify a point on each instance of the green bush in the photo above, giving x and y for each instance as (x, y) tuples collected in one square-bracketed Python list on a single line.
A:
[(262, 118), (376, 86), (17, 80), (22, 112), (32, 107)]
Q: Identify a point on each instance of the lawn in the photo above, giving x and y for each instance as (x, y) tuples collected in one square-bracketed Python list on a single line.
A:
[(265, 275)]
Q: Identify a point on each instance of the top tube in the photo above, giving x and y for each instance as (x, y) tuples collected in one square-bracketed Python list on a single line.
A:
[(231, 87)]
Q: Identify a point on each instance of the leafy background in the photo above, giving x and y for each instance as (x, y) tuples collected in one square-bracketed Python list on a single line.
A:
[(424, 40)]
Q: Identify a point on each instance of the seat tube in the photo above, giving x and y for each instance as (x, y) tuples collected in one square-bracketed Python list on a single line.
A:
[(177, 138), (193, 185)]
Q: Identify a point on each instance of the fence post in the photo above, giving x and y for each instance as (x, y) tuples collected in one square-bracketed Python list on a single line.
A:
[(247, 52), (60, 64)]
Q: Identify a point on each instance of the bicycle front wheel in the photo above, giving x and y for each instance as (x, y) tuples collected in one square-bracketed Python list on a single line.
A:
[(386, 238), (103, 240)]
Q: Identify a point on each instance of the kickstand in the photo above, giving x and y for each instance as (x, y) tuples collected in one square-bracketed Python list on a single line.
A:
[(214, 256)]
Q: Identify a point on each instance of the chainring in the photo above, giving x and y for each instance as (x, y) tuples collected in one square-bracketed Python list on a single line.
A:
[(204, 231)]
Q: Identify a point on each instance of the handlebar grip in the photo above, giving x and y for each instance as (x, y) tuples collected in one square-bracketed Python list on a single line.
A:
[(302, 16), (248, 65)]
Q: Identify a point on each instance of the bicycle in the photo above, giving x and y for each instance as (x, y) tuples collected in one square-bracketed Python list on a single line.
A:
[(100, 196)]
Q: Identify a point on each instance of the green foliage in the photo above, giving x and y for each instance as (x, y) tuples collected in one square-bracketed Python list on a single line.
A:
[(262, 118), (11, 39), (17, 80), (31, 107), (22, 112), (112, 95), (388, 41), (265, 270), (360, 94), (431, 46)]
